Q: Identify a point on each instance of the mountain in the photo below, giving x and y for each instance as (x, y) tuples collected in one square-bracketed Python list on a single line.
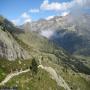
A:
[(57, 69), (9, 48), (70, 32)]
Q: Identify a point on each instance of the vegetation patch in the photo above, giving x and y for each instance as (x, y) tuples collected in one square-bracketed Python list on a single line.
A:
[(41, 81)]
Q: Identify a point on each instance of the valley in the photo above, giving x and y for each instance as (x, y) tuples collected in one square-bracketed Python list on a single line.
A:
[(57, 68)]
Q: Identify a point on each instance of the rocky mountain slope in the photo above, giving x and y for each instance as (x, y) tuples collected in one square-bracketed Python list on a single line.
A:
[(57, 70), (70, 32), (9, 48)]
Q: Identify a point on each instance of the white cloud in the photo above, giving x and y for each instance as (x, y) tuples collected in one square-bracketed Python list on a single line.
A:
[(15, 21), (49, 17), (23, 18), (71, 6), (47, 33), (57, 6), (34, 10), (27, 20), (25, 15), (84, 3), (64, 13)]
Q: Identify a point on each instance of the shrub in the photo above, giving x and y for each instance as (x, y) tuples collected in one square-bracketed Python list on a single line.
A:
[(34, 67)]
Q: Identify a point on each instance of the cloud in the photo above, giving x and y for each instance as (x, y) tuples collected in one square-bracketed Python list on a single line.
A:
[(57, 6), (34, 10), (23, 18), (27, 20), (49, 17), (65, 13), (15, 21), (47, 33), (83, 3), (25, 15), (74, 6)]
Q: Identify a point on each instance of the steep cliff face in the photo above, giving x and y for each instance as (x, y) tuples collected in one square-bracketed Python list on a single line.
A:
[(9, 48)]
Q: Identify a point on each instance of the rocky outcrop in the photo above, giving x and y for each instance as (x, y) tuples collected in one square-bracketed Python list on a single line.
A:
[(9, 48)]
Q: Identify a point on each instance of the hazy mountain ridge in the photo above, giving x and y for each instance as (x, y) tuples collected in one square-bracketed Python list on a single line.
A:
[(70, 32), (43, 45)]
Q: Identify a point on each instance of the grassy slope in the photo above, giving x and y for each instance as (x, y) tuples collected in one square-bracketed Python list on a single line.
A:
[(41, 44), (74, 80), (84, 59), (41, 81), (7, 67), (2, 74)]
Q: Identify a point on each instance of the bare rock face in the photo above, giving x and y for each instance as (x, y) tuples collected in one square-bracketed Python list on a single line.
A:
[(71, 32), (10, 49)]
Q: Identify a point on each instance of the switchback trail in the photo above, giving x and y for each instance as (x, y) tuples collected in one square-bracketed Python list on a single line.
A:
[(60, 81), (11, 75)]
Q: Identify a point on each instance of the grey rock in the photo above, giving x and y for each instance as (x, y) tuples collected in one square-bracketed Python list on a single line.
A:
[(9, 48)]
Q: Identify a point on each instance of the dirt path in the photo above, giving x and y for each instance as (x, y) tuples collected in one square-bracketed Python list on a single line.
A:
[(11, 75), (60, 81)]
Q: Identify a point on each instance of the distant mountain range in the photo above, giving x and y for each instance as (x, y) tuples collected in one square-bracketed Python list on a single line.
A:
[(71, 32)]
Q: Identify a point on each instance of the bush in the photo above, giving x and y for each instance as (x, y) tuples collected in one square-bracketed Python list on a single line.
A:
[(34, 67)]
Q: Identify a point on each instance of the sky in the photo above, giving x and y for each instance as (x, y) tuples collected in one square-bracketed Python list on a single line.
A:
[(21, 11)]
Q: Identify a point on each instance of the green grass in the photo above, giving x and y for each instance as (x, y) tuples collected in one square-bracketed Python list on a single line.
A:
[(2, 74), (7, 67), (84, 59), (41, 81), (75, 81)]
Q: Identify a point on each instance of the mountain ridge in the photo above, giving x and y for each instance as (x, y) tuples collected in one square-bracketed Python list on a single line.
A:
[(70, 32)]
